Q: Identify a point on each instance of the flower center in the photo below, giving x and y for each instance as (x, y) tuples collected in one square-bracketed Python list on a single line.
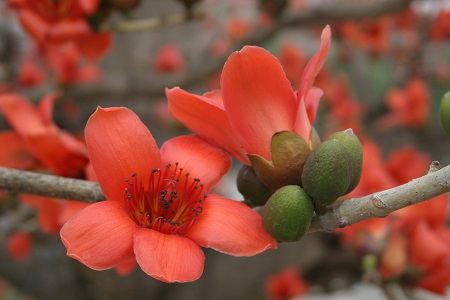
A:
[(170, 203)]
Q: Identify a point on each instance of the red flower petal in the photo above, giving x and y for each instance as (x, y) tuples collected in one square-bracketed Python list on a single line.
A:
[(168, 258), (100, 236), (426, 247), (67, 30), (88, 7), (230, 227), (36, 26), (198, 158), (126, 268), (68, 209), (315, 64), (206, 117), (19, 245), (21, 115), (14, 153), (258, 98), (94, 46), (119, 145), (436, 281), (48, 210)]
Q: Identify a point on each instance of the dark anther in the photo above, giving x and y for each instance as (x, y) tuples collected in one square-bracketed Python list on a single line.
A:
[(133, 175), (197, 179), (168, 165), (126, 190), (129, 196)]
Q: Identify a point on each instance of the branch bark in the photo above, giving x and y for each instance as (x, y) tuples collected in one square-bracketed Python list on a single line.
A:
[(49, 186), (381, 204), (149, 24), (348, 212)]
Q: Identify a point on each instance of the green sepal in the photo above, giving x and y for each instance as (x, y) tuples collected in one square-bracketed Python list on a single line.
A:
[(255, 192), (289, 152)]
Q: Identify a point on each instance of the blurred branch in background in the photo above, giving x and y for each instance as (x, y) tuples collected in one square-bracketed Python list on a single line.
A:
[(149, 24), (198, 72)]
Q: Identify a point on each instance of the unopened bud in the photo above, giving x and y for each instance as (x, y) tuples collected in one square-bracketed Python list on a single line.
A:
[(327, 172), (255, 192), (353, 146), (287, 214)]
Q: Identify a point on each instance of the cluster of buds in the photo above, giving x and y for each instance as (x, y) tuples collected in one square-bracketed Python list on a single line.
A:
[(302, 179)]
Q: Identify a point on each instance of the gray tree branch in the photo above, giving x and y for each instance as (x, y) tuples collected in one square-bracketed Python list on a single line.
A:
[(346, 213)]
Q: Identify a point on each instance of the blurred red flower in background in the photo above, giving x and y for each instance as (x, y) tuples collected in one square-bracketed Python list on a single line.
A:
[(409, 106), (58, 22), (169, 59), (440, 27), (36, 143), (19, 245), (285, 285)]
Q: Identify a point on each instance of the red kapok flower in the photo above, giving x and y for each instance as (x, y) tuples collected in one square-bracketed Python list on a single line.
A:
[(58, 22), (256, 101), (158, 210), (286, 285), (56, 149), (409, 107), (19, 245), (169, 59)]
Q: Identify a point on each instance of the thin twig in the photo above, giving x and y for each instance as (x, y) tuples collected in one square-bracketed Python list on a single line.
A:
[(49, 186), (348, 212), (150, 24)]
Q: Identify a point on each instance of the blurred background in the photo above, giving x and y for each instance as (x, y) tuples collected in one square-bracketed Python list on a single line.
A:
[(385, 75)]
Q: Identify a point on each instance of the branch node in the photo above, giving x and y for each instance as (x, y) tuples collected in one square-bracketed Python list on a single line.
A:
[(343, 223), (377, 202), (434, 166)]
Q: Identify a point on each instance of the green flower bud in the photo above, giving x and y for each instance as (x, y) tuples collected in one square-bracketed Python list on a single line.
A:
[(289, 152), (444, 113), (287, 214), (327, 172), (255, 192), (353, 146)]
